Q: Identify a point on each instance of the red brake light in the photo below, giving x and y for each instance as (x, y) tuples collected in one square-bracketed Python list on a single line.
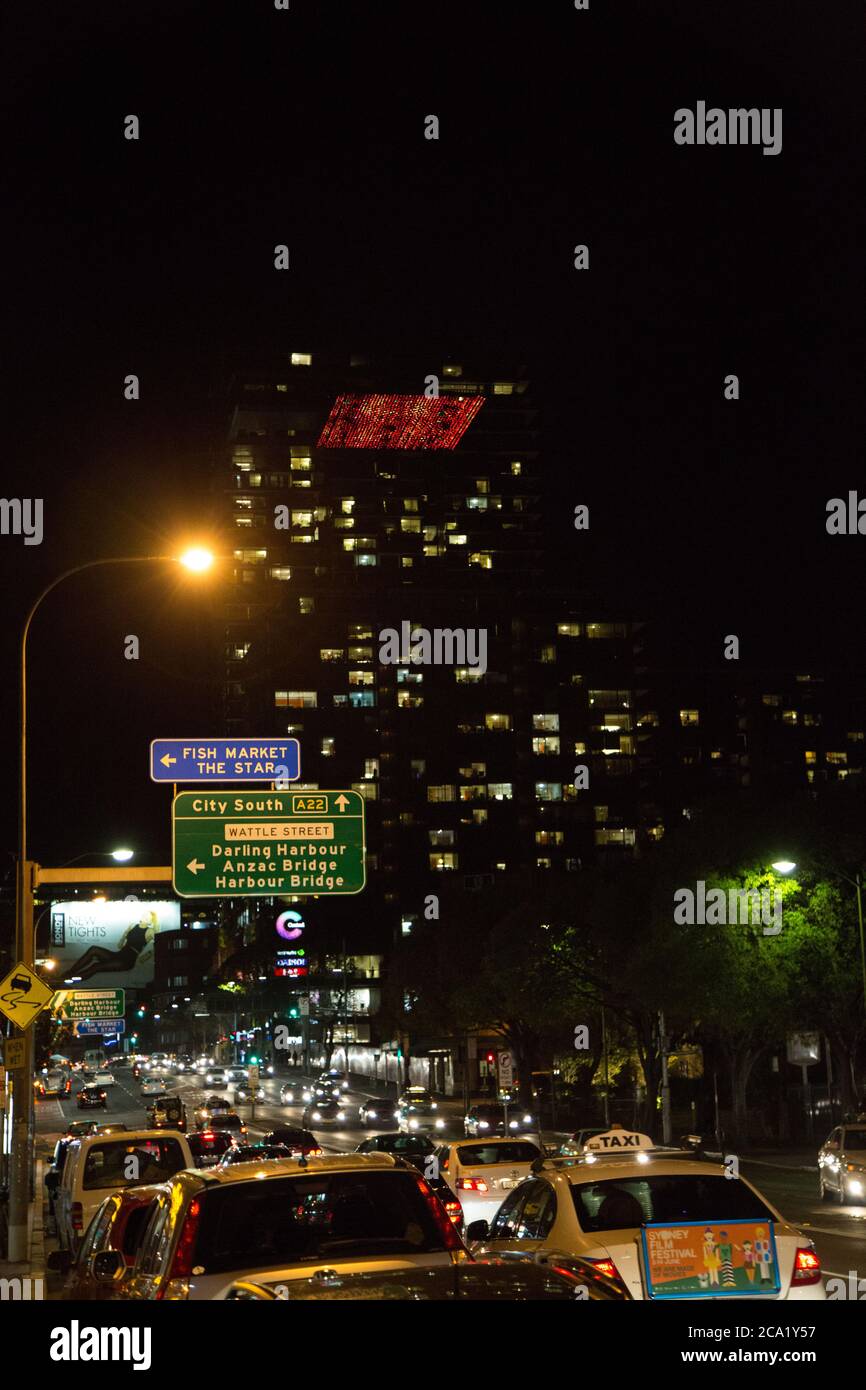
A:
[(444, 1223), (181, 1265), (606, 1267), (473, 1184), (455, 1211), (807, 1267)]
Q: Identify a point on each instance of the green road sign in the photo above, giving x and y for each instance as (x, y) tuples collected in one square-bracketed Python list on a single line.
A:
[(90, 1003), (257, 844)]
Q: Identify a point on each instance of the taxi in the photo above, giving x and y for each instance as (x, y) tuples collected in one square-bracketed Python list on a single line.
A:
[(660, 1221)]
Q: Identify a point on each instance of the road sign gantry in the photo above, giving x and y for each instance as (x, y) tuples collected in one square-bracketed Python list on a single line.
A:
[(261, 844)]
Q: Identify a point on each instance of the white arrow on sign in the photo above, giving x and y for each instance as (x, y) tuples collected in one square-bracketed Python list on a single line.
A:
[(342, 801), (194, 866), (167, 760)]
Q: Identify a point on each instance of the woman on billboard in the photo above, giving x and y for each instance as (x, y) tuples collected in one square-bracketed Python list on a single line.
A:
[(98, 960)]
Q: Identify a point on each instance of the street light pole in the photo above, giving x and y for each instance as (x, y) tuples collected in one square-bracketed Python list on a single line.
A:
[(22, 1139)]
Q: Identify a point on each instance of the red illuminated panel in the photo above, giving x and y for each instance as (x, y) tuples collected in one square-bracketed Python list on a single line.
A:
[(398, 422)]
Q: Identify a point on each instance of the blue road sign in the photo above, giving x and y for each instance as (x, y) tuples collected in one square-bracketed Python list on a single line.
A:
[(225, 760), (105, 1026)]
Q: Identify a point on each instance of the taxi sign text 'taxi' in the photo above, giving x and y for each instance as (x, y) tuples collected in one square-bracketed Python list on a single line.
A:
[(23, 995), (259, 844)]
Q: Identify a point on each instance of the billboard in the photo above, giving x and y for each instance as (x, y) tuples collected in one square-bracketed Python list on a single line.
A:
[(107, 944)]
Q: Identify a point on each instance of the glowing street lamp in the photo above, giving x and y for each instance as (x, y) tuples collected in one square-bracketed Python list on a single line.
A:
[(784, 866), (122, 856), (197, 559)]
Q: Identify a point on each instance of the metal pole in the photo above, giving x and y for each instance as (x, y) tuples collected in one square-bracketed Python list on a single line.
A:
[(606, 1070), (828, 1054), (666, 1089)]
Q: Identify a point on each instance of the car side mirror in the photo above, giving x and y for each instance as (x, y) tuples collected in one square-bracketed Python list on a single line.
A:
[(477, 1230), (59, 1261), (108, 1266)]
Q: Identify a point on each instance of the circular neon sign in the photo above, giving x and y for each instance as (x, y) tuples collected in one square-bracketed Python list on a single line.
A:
[(290, 925)]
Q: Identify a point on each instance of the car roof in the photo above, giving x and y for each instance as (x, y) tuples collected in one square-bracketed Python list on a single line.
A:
[(124, 1136), (294, 1167), (485, 1143), (625, 1166)]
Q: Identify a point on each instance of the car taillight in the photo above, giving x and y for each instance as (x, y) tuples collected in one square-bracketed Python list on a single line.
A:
[(472, 1185), (444, 1223), (807, 1267), (455, 1212), (77, 1216), (181, 1265), (606, 1267), (316, 1153)]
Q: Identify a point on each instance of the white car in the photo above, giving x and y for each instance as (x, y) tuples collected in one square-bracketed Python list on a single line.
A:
[(482, 1172), (216, 1076), (152, 1086), (655, 1214), (100, 1164), (842, 1165), (104, 1077)]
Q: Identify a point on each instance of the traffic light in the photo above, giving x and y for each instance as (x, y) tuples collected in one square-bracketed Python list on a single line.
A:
[(490, 1059), (293, 1013)]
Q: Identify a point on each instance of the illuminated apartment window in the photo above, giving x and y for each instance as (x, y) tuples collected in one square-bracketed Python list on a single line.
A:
[(479, 816), (371, 768), (810, 755), (302, 359), (430, 533), (856, 736), (546, 723), (476, 504), (303, 538), (500, 791), (243, 521), (362, 699), (407, 818), (516, 468), (410, 504), (689, 716), (812, 720), (473, 792), (366, 561), (543, 863), (468, 675), (306, 605), (431, 551), (346, 505), (601, 813), (339, 700), (244, 504), (648, 720), (407, 700), (328, 748), (349, 542), (456, 538), (548, 791), (610, 699), (547, 744), (255, 480), (482, 558), (300, 482), (443, 861), (281, 386), (623, 837), (361, 678), (407, 677), (544, 838), (407, 923), (569, 629), (361, 653), (473, 770), (242, 459), (331, 653), (497, 722), (612, 723), (295, 699), (250, 557), (280, 572), (368, 790), (417, 768), (452, 369), (810, 774), (836, 759), (789, 716), (406, 562), (410, 523), (482, 485), (715, 755), (441, 837), (607, 629), (302, 518), (344, 523), (503, 388), (580, 747), (441, 793), (626, 744)]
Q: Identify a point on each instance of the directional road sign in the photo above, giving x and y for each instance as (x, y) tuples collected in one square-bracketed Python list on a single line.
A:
[(23, 995), (104, 1026), (225, 760), (91, 1003), (263, 844)]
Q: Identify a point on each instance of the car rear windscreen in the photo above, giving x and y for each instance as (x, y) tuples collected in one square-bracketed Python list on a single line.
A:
[(485, 1155), (127, 1162), (622, 1203), (337, 1216)]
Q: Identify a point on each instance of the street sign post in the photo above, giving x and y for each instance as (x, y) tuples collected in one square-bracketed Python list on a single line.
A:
[(225, 760), (13, 1053), (268, 843), (23, 995), (505, 1067), (91, 1003), (105, 1027)]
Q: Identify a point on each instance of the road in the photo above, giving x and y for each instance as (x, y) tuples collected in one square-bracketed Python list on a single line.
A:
[(839, 1233)]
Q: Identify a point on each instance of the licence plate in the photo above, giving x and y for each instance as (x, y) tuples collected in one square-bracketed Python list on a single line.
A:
[(508, 1182)]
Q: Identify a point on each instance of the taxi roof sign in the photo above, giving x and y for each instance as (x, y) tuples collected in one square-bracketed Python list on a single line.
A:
[(618, 1140)]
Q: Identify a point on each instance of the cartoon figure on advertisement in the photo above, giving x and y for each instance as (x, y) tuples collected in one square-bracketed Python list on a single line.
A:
[(763, 1254), (712, 1263)]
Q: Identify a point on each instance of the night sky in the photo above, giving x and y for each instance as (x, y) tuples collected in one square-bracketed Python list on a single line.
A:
[(260, 127)]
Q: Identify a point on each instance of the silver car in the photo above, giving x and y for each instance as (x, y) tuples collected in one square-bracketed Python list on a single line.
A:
[(842, 1165)]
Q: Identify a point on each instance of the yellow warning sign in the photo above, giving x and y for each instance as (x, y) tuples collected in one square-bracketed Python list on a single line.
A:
[(23, 995)]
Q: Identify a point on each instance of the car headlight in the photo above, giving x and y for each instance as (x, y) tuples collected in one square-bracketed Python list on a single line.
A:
[(855, 1186), (371, 1115), (527, 1119), (512, 1124), (434, 1106), (440, 1124), (316, 1115), (413, 1124), (482, 1124), (340, 1115)]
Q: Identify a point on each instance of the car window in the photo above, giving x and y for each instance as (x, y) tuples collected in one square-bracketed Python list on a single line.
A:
[(835, 1137), (485, 1155), (136, 1225), (537, 1213), (620, 1203), (94, 1236), (110, 1165), (504, 1224), (154, 1239), (314, 1216), (855, 1139)]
